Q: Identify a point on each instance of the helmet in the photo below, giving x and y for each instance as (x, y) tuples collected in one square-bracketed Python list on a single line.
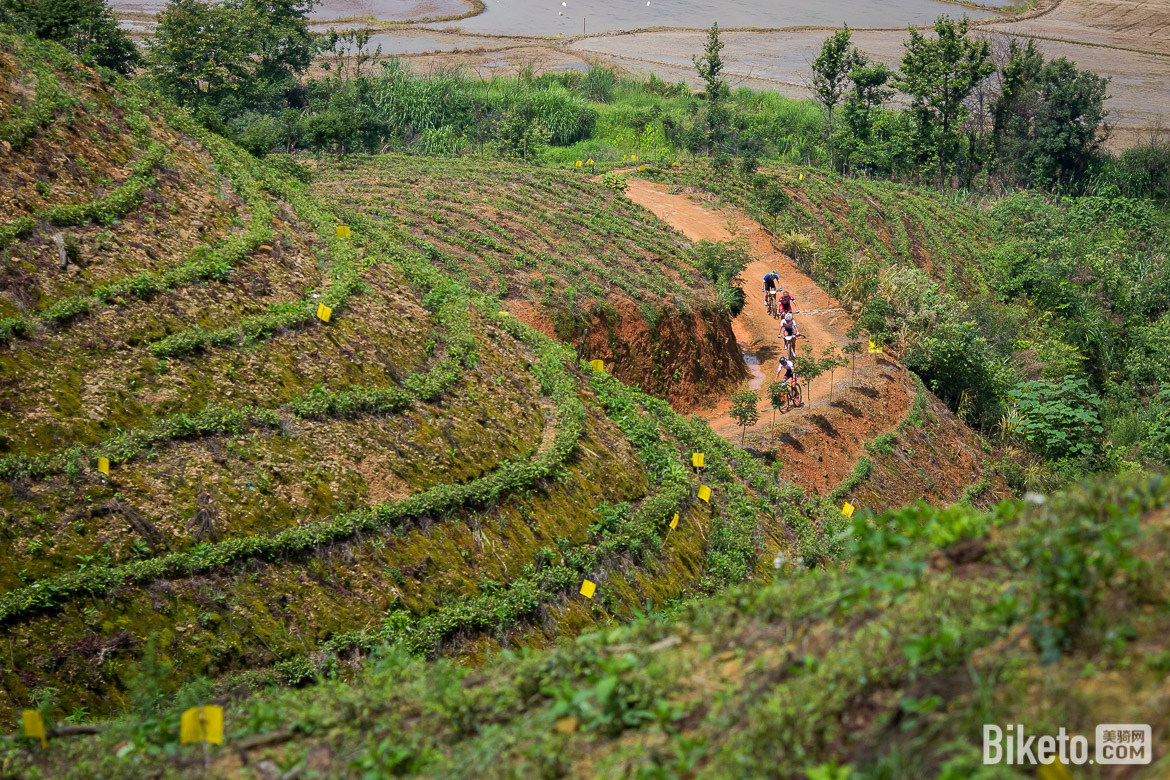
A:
[(788, 317)]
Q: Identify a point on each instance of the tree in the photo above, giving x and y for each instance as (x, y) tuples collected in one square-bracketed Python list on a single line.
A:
[(831, 70), (777, 395), (853, 349), (716, 92), (723, 262), (745, 410), (830, 361), (939, 74), (1050, 118), (85, 27), (223, 57), (809, 368), (864, 99)]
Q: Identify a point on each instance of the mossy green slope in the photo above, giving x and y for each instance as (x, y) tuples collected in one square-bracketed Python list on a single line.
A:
[(286, 494), (946, 619), (564, 251)]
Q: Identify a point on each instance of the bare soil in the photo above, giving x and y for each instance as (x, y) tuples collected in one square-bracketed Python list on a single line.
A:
[(821, 442)]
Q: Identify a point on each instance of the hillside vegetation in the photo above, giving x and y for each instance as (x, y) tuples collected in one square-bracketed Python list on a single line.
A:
[(947, 619), (564, 253), (287, 493), (999, 305)]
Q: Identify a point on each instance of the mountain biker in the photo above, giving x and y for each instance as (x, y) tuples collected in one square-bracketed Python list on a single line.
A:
[(786, 301), (789, 370), (771, 281), (789, 333), (770, 289)]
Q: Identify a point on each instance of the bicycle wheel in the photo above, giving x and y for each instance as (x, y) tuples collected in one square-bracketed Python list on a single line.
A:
[(794, 394), (787, 400)]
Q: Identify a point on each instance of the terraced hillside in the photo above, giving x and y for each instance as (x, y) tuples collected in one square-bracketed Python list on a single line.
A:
[(866, 229), (285, 493), (565, 253), (1053, 616)]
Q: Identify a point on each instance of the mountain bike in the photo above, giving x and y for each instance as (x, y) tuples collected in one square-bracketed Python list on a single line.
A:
[(790, 344), (770, 304), (791, 395)]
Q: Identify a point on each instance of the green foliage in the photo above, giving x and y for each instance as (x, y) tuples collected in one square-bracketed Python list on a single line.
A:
[(1060, 419), (716, 116), (1076, 549), (84, 27), (723, 262), (910, 610), (860, 473), (939, 75), (260, 47), (1048, 119), (830, 71), (745, 409)]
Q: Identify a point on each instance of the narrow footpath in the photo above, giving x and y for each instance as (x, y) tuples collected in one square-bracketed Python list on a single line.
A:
[(820, 442)]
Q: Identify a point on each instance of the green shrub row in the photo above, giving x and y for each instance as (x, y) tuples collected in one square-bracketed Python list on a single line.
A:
[(317, 404), (860, 473), (438, 500), (48, 98), (288, 315), (106, 209), (624, 536)]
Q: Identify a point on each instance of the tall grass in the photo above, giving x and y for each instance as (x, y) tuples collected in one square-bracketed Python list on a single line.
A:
[(591, 114)]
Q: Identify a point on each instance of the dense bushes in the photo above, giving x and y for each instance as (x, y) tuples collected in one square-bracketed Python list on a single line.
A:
[(723, 262)]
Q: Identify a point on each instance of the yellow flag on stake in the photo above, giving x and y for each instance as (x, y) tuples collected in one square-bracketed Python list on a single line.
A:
[(802, 177), (848, 509), (634, 158), (202, 724), (697, 459), (588, 589), (578, 164), (705, 493), (104, 466), (874, 348), (34, 726), (343, 231), (597, 365), (324, 312), (674, 522), (589, 161), (641, 167)]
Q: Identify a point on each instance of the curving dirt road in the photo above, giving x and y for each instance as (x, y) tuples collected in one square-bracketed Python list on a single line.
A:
[(820, 441)]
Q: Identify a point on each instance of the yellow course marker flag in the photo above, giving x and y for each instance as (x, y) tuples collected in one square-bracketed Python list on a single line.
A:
[(202, 724), (705, 493), (324, 312), (589, 161), (104, 466), (1053, 771), (633, 158), (34, 726), (848, 509), (578, 164), (674, 522), (343, 231), (597, 365), (874, 348), (697, 459), (588, 589), (802, 177), (641, 167)]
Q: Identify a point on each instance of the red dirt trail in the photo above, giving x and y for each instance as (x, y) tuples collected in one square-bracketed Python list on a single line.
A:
[(820, 442)]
